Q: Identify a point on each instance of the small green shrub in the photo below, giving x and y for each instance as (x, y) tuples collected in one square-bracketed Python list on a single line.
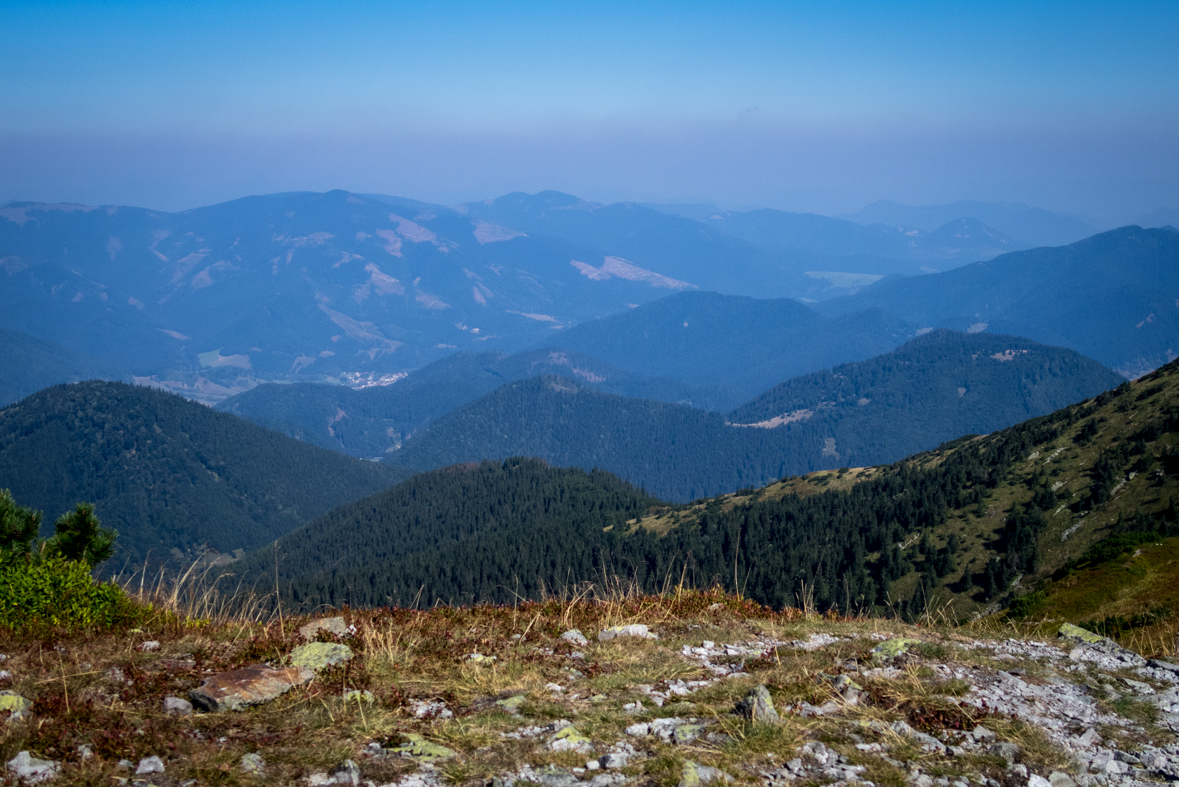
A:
[(55, 593), (1026, 605)]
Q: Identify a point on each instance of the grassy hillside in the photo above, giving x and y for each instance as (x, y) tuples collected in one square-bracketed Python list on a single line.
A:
[(168, 473), (933, 389)]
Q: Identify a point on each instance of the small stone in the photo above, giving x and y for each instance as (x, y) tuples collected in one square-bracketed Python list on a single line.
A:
[(334, 626), (1058, 779), (244, 688), (636, 630), (319, 779), (419, 748), (1008, 751), (555, 688), (686, 733), (15, 704), (758, 707), (149, 646), (317, 656), (124, 765), (175, 706), (479, 658), (981, 734), (84, 751), (612, 760), (892, 648), (569, 739), (695, 775), (512, 704), (253, 764), (638, 730), (358, 695), (151, 764), (575, 636), (347, 773), (31, 770), (1090, 739), (635, 707), (1020, 770), (592, 765)]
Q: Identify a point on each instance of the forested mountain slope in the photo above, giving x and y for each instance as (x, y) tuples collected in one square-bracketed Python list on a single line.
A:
[(705, 337), (374, 421), (31, 364), (1113, 297), (168, 473), (961, 523), (468, 532), (932, 389)]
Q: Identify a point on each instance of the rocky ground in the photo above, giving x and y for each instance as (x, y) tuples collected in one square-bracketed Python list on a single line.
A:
[(687, 690)]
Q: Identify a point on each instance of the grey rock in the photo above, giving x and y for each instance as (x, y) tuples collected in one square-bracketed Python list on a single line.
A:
[(317, 656), (1008, 751), (1089, 739), (84, 751), (575, 636), (1038, 781), (1059, 779), (640, 729), (635, 630), (1164, 665), (981, 734), (613, 760), (149, 646), (334, 626), (253, 764), (694, 774), (124, 765), (176, 706), (30, 770), (347, 773), (151, 764), (758, 707)]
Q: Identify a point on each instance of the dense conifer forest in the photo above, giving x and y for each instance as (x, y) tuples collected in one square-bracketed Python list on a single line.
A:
[(169, 473)]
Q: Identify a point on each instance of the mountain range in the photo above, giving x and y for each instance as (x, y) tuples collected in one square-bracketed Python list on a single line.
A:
[(933, 389), (340, 287)]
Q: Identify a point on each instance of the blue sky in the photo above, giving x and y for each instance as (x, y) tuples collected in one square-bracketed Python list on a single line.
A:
[(803, 106)]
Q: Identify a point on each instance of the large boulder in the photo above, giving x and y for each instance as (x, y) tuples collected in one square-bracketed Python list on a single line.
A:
[(244, 688)]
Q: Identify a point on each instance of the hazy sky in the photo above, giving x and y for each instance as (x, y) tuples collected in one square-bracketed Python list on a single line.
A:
[(821, 106)]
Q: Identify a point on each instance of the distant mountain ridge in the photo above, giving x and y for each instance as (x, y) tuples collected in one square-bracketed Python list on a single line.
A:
[(933, 389), (373, 422), (1026, 225), (1113, 297), (747, 343)]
